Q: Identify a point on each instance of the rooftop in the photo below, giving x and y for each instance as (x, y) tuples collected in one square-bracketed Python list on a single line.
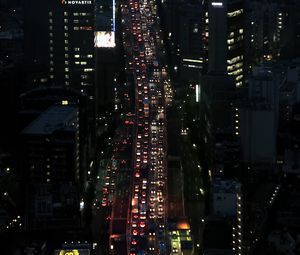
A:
[(53, 119), (225, 186)]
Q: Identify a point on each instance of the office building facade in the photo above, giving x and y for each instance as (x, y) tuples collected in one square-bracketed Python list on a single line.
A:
[(59, 37), (226, 38)]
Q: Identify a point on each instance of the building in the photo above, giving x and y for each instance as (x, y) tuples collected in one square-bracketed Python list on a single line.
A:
[(59, 38), (227, 206), (35, 102), (51, 142), (221, 131), (259, 120), (107, 55), (183, 24), (226, 38), (51, 165)]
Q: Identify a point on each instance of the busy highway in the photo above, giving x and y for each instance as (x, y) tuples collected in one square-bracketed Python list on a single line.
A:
[(146, 219)]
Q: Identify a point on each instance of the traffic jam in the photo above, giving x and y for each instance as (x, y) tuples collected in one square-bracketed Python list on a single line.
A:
[(146, 233)]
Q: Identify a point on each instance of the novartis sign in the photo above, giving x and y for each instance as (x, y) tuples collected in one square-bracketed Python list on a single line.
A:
[(74, 2)]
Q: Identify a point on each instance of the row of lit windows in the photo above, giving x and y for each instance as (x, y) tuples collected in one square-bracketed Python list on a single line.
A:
[(235, 13), (232, 34), (88, 28), (81, 63), (236, 72), (81, 14), (234, 66), (82, 56), (239, 77), (235, 40), (235, 59)]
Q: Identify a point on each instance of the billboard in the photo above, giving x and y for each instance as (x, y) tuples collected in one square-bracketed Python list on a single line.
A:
[(69, 252), (104, 39), (72, 252)]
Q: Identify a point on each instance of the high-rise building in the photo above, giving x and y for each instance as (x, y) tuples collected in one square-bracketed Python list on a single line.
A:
[(107, 57), (52, 169), (226, 38), (52, 146), (59, 37), (227, 204), (259, 116), (59, 40), (220, 131), (183, 27)]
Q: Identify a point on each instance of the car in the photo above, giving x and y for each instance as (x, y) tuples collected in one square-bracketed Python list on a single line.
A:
[(174, 250), (142, 224)]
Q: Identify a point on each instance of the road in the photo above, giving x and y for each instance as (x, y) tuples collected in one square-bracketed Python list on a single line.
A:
[(182, 146)]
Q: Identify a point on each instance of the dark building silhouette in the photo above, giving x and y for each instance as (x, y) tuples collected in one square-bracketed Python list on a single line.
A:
[(52, 169)]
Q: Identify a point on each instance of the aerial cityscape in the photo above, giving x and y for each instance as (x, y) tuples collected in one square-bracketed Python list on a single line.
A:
[(150, 127)]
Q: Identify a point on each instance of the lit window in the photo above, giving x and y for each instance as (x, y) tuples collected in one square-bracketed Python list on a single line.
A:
[(50, 13)]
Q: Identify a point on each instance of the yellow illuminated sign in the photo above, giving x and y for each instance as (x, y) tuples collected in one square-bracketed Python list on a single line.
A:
[(68, 252)]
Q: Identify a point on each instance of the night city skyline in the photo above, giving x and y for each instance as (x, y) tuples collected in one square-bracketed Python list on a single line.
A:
[(150, 127)]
